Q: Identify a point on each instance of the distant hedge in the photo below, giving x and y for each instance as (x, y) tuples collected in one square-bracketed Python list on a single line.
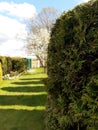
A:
[(13, 64), (0, 72), (3, 64), (19, 64), (73, 70)]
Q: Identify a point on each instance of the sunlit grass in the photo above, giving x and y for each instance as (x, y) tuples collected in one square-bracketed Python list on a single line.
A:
[(3, 92), (23, 102), (22, 107)]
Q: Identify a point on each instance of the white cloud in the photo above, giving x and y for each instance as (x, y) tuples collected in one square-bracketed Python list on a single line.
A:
[(11, 27), (13, 32), (81, 1), (24, 10), (12, 48), (84, 0)]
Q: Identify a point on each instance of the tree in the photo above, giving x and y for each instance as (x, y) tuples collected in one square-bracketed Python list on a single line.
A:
[(38, 45), (39, 33)]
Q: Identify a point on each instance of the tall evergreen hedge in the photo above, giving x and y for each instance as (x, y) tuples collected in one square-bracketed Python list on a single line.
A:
[(3, 64), (13, 64), (0, 72), (73, 70)]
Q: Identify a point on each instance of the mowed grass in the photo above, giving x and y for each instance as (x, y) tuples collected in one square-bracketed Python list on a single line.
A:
[(23, 102)]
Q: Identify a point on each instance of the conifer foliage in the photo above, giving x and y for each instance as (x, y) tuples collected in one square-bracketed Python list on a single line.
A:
[(73, 70), (0, 72)]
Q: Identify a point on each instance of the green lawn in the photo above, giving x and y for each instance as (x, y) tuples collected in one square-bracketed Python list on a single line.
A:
[(23, 102)]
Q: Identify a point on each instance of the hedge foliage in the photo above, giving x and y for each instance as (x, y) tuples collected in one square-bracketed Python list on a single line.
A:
[(10, 64), (73, 70), (19, 64), (3, 64), (0, 72)]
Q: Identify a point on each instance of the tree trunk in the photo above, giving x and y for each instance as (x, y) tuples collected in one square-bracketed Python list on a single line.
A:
[(41, 62)]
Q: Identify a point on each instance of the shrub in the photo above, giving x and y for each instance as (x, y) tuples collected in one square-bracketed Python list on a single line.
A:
[(4, 64), (9, 64), (19, 64), (0, 72), (15, 64), (73, 70)]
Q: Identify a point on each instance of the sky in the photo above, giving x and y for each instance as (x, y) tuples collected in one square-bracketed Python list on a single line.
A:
[(14, 15)]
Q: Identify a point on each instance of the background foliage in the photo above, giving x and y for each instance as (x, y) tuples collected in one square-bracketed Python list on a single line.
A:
[(19, 64), (73, 70), (10, 65), (0, 72)]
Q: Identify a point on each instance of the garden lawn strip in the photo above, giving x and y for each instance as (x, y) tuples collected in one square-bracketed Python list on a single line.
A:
[(23, 102)]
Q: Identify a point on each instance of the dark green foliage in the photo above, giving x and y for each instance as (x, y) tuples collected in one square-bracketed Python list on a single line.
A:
[(0, 72), (4, 64), (19, 64), (10, 65), (73, 70)]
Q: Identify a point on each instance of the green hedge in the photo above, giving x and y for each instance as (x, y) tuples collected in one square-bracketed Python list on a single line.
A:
[(4, 64), (0, 72), (73, 70), (19, 64), (12, 64)]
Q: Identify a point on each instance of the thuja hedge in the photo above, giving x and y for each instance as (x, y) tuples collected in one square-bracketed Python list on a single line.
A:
[(73, 70), (19, 64), (0, 72), (3, 64), (13, 64)]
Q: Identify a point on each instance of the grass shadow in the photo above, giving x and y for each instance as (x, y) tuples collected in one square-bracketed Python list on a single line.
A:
[(30, 79), (32, 100), (27, 83), (25, 89), (22, 120), (22, 103)]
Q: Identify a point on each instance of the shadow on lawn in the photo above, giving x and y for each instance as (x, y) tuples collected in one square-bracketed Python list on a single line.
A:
[(25, 89), (31, 79), (22, 119), (27, 83), (16, 111), (32, 100)]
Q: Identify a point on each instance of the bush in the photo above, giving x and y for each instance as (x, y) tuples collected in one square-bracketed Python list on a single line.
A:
[(14, 64), (4, 64), (0, 72), (19, 64), (73, 70), (9, 64)]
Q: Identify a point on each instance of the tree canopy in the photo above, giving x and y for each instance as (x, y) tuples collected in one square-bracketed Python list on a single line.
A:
[(39, 34)]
